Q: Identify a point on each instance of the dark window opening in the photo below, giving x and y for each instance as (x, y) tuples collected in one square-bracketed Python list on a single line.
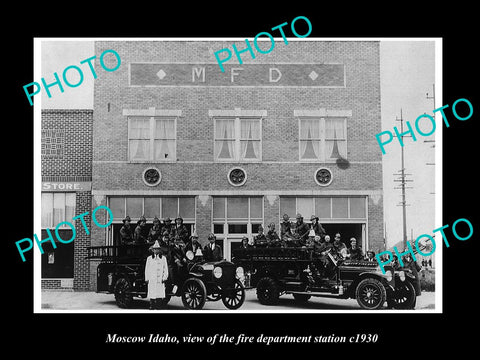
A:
[(57, 263)]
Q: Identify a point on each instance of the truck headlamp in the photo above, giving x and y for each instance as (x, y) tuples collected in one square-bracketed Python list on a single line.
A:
[(217, 272), (240, 272), (190, 256), (389, 275), (401, 274)]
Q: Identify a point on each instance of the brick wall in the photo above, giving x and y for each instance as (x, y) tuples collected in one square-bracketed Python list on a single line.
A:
[(204, 216), (81, 267), (375, 223), (74, 163), (280, 129), (54, 284), (280, 170)]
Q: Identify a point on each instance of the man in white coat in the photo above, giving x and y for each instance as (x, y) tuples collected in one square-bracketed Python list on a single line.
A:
[(156, 273)]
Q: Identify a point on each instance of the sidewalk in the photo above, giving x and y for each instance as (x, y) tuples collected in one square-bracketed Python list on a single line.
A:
[(63, 300)]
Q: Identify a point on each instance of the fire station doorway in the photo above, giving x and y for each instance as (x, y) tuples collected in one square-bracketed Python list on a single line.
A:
[(347, 231), (235, 217), (346, 215)]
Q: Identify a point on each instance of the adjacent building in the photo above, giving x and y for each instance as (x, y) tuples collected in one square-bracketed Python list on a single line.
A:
[(66, 173)]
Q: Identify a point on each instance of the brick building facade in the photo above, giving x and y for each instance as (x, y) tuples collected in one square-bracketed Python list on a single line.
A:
[(287, 132), (66, 170)]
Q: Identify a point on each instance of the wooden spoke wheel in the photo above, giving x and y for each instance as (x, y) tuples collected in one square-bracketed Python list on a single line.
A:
[(122, 291), (234, 298), (371, 294), (194, 294)]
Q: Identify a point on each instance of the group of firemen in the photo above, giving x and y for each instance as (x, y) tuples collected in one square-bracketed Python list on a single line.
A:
[(174, 241), (173, 238), (301, 234), (169, 240)]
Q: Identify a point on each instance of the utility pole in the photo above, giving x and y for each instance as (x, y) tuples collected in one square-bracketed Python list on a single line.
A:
[(432, 97), (384, 236), (402, 179), (431, 141)]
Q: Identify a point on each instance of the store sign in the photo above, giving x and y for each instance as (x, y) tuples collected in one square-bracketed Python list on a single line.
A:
[(263, 75), (67, 186)]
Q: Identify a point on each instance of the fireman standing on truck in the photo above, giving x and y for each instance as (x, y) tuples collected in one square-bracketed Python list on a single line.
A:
[(285, 228), (167, 228), (126, 232), (260, 240), (180, 231), (272, 237), (139, 234), (324, 250), (316, 226), (302, 230), (155, 232)]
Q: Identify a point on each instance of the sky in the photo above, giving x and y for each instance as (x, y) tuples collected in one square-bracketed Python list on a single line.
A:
[(407, 74)]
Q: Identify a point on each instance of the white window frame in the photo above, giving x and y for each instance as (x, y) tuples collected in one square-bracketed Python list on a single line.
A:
[(129, 139), (249, 220), (331, 219), (322, 115), (117, 220), (64, 226), (364, 222), (227, 238), (237, 115), (160, 199), (151, 150), (152, 114)]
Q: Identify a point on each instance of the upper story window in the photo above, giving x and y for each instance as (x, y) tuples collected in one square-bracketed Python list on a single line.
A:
[(152, 138), (322, 139), (322, 134), (152, 135), (238, 139), (238, 134)]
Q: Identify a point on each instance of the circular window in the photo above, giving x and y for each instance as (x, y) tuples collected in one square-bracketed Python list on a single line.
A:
[(237, 176), (152, 176), (323, 176)]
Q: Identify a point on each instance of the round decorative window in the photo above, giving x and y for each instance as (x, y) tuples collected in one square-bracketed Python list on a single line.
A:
[(152, 176), (323, 176), (237, 176)]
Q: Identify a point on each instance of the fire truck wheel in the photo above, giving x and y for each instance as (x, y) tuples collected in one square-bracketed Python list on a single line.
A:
[(370, 294), (194, 294), (123, 297), (404, 296), (234, 298), (268, 291)]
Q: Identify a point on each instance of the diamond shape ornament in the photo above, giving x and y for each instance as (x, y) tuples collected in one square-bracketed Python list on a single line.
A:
[(161, 74), (313, 75)]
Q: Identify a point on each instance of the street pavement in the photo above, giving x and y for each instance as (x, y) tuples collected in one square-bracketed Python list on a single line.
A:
[(70, 300)]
